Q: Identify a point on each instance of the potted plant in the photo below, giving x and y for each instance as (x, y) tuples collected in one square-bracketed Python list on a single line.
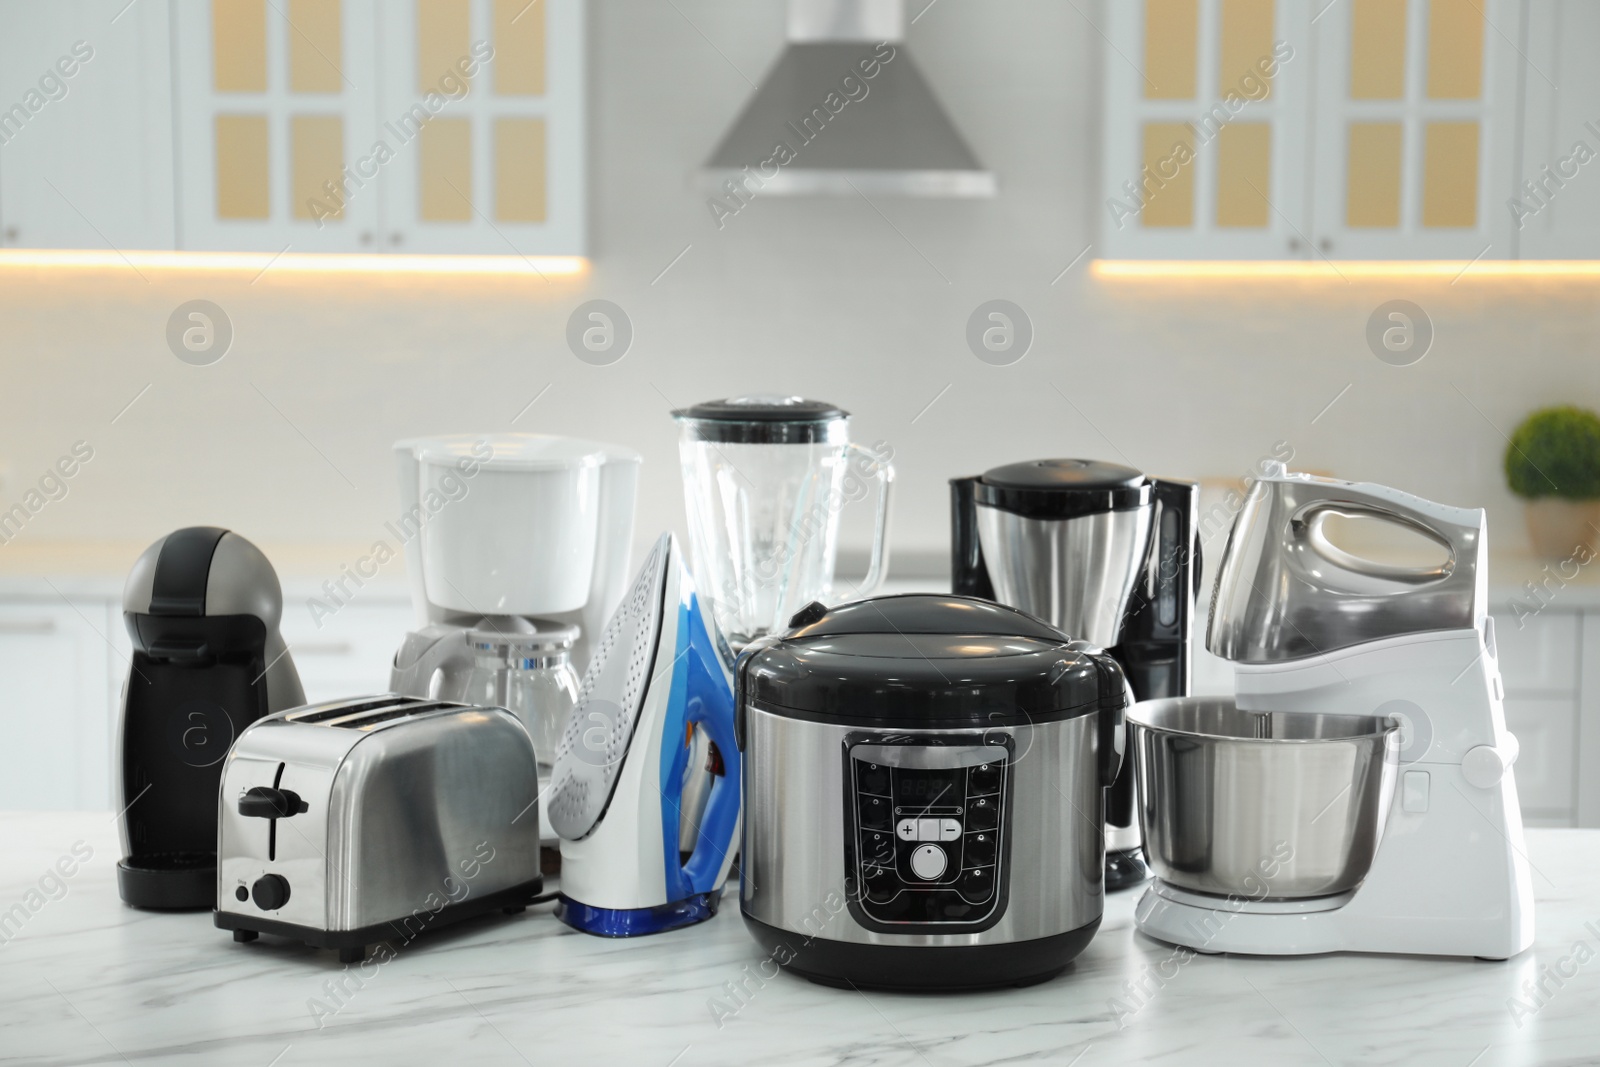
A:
[(1553, 463)]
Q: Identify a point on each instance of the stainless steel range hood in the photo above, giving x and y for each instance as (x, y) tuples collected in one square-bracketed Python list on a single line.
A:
[(845, 109)]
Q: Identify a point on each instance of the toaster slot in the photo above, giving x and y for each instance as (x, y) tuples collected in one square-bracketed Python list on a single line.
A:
[(367, 720), (343, 709)]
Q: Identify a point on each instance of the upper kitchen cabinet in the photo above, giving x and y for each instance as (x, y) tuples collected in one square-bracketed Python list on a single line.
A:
[(85, 125), (276, 106), (483, 106), (1415, 126), (1205, 128), (442, 126), (1271, 129), (1555, 210)]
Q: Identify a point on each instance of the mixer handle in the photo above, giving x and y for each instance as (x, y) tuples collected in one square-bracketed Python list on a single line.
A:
[(1311, 519)]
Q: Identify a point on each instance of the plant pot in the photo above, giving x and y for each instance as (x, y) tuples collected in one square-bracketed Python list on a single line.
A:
[(1558, 528)]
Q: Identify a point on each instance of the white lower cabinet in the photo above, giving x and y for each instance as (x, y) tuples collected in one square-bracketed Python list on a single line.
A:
[(56, 715), (351, 652), (1546, 769), (1544, 671)]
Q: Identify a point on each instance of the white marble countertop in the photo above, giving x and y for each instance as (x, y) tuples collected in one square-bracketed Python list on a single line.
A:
[(86, 980)]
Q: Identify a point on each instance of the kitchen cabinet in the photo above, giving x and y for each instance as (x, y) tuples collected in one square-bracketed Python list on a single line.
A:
[(274, 104), (1546, 676), (351, 652), (85, 125), (1282, 129), (57, 716), (1555, 209), (499, 168), (444, 126), (1205, 131), (438, 126)]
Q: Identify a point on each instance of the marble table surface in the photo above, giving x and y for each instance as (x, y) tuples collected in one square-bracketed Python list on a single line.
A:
[(84, 979)]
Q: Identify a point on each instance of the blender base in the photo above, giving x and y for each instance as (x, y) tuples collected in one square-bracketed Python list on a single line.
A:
[(1125, 869)]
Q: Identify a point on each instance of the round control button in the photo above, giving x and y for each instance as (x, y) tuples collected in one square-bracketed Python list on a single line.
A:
[(928, 862), (1484, 766), (270, 892), (241, 894)]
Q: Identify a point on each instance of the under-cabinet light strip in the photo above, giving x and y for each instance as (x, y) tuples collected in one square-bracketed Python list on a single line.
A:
[(256, 263), (1343, 270)]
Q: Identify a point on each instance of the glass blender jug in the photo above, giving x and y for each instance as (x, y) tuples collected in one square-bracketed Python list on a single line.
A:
[(765, 479)]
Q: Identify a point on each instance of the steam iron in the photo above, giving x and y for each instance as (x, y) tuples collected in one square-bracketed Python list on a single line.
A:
[(645, 790)]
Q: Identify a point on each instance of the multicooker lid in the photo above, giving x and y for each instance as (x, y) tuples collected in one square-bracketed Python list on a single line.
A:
[(1062, 488), (765, 420), (927, 660)]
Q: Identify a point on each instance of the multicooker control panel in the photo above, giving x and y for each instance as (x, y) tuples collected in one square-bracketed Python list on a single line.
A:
[(928, 846)]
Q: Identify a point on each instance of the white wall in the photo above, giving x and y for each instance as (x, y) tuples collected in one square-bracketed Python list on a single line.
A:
[(819, 297)]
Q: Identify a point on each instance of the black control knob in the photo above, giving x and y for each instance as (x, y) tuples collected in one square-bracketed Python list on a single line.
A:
[(874, 778), (977, 886), (983, 814), (986, 778), (270, 892), (875, 813), (981, 849)]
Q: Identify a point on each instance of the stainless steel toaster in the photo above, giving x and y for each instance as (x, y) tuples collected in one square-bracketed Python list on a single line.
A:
[(377, 819)]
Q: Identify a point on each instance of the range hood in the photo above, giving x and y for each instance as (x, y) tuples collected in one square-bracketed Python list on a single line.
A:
[(845, 109)]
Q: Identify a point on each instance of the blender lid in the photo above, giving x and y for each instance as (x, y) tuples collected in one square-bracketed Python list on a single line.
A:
[(1063, 488), (516, 451), (928, 660), (768, 419)]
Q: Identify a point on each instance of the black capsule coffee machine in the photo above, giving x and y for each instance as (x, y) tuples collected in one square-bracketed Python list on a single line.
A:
[(1103, 553), (202, 606)]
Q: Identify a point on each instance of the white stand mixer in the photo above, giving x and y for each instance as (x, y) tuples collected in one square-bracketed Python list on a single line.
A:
[(1313, 629)]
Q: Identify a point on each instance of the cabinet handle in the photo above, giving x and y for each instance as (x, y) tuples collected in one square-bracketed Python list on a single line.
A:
[(396, 238), (366, 237), (27, 626), (12, 234), (323, 648)]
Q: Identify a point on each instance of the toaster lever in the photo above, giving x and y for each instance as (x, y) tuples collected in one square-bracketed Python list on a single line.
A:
[(265, 802)]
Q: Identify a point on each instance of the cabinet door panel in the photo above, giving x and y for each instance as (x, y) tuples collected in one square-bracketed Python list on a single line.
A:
[(1546, 730), (1204, 153), (1539, 655), (346, 653), (276, 114), (56, 716), (1555, 209), (483, 108), (85, 125), (1416, 122)]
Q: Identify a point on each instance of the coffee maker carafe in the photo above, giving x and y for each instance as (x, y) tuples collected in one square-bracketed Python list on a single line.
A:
[(1103, 553), (202, 607)]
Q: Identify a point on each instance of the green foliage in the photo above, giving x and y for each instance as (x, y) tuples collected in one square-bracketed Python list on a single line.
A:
[(1556, 452)]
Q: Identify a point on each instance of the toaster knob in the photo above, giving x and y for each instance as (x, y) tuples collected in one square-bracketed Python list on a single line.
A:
[(270, 892)]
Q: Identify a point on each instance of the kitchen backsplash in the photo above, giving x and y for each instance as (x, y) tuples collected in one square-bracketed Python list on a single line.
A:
[(863, 303)]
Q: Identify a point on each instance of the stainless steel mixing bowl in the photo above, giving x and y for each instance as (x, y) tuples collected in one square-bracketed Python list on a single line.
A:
[(1263, 805)]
